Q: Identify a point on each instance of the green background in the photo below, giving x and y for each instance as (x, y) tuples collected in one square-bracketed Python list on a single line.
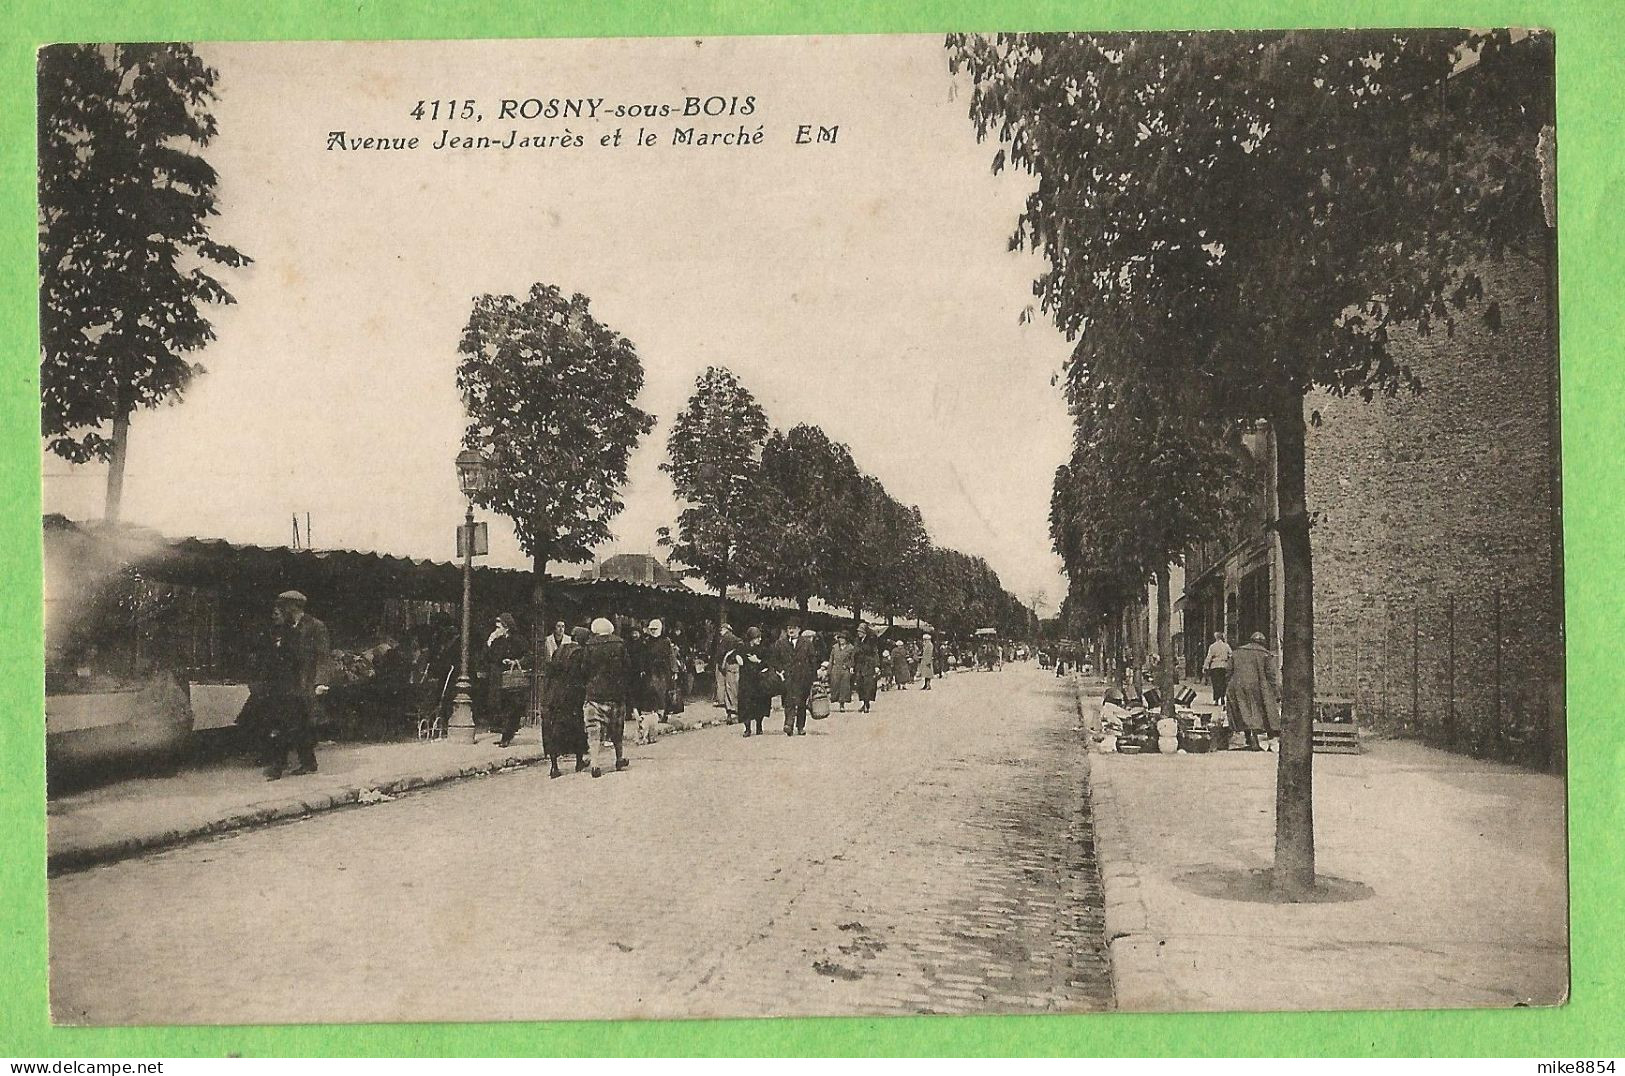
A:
[(1590, 108)]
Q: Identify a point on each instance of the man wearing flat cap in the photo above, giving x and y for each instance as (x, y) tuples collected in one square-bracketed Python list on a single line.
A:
[(1253, 698), (301, 668)]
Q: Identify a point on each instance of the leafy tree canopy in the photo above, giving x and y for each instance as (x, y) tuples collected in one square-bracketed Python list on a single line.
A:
[(713, 455), (124, 245), (550, 394)]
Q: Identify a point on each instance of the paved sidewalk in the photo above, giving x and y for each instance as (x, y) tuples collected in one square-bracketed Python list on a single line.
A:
[(144, 813), (1445, 877)]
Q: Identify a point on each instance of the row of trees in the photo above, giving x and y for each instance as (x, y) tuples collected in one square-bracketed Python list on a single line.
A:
[(125, 261), (551, 395), (1232, 220), (791, 515)]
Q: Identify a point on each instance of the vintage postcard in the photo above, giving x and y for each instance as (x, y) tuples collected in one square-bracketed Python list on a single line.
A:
[(750, 527)]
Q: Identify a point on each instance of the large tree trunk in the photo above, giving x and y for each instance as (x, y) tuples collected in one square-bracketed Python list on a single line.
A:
[(115, 466), (1165, 644), (1294, 875)]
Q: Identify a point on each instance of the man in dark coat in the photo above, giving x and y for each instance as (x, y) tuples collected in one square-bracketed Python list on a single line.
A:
[(799, 671), (608, 678), (301, 665), (1253, 696)]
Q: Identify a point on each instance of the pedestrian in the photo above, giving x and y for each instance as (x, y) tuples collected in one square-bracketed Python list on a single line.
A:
[(503, 650), (1253, 697), (928, 660), (866, 666), (556, 639), (732, 655), (818, 700), (755, 682), (663, 667), (607, 676), (564, 699), (901, 675), (798, 680), (1217, 666), (840, 671), (301, 668)]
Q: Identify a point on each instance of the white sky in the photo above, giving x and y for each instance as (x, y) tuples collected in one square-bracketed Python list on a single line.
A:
[(865, 287)]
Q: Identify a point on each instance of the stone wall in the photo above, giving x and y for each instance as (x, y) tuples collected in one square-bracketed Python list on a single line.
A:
[(1437, 544)]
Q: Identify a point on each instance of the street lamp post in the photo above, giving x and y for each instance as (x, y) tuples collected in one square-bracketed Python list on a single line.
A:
[(471, 471)]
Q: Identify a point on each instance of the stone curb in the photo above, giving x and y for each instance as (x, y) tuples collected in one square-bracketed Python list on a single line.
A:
[(310, 803), (279, 810), (1139, 983)]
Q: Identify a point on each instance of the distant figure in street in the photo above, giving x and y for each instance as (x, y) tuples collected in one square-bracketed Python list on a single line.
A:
[(840, 671), (901, 674), (300, 670), (1217, 666), (866, 666), (731, 655), (755, 693), (642, 705), (662, 668), (551, 644), (503, 708), (928, 660), (779, 657), (608, 678), (1254, 695), (798, 680), (564, 699)]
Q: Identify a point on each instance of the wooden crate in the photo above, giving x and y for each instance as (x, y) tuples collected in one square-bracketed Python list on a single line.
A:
[(1336, 732)]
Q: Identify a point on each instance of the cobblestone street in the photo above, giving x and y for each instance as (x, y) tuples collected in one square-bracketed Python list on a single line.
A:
[(934, 856)]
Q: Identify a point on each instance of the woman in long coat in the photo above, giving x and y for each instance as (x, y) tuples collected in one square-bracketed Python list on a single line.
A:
[(564, 695), (866, 666), (902, 670), (662, 672), (755, 695), (840, 671), (1253, 696)]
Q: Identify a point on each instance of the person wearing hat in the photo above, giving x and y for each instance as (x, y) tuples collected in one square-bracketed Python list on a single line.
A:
[(503, 708), (1253, 698), (840, 671), (799, 670), (608, 679), (662, 676), (755, 691), (301, 664), (564, 701), (928, 660), (866, 665)]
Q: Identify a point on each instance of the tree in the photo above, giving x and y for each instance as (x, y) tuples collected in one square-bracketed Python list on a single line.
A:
[(124, 244), (882, 553), (797, 537), (713, 455), (550, 394), (1287, 201), (1152, 483)]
